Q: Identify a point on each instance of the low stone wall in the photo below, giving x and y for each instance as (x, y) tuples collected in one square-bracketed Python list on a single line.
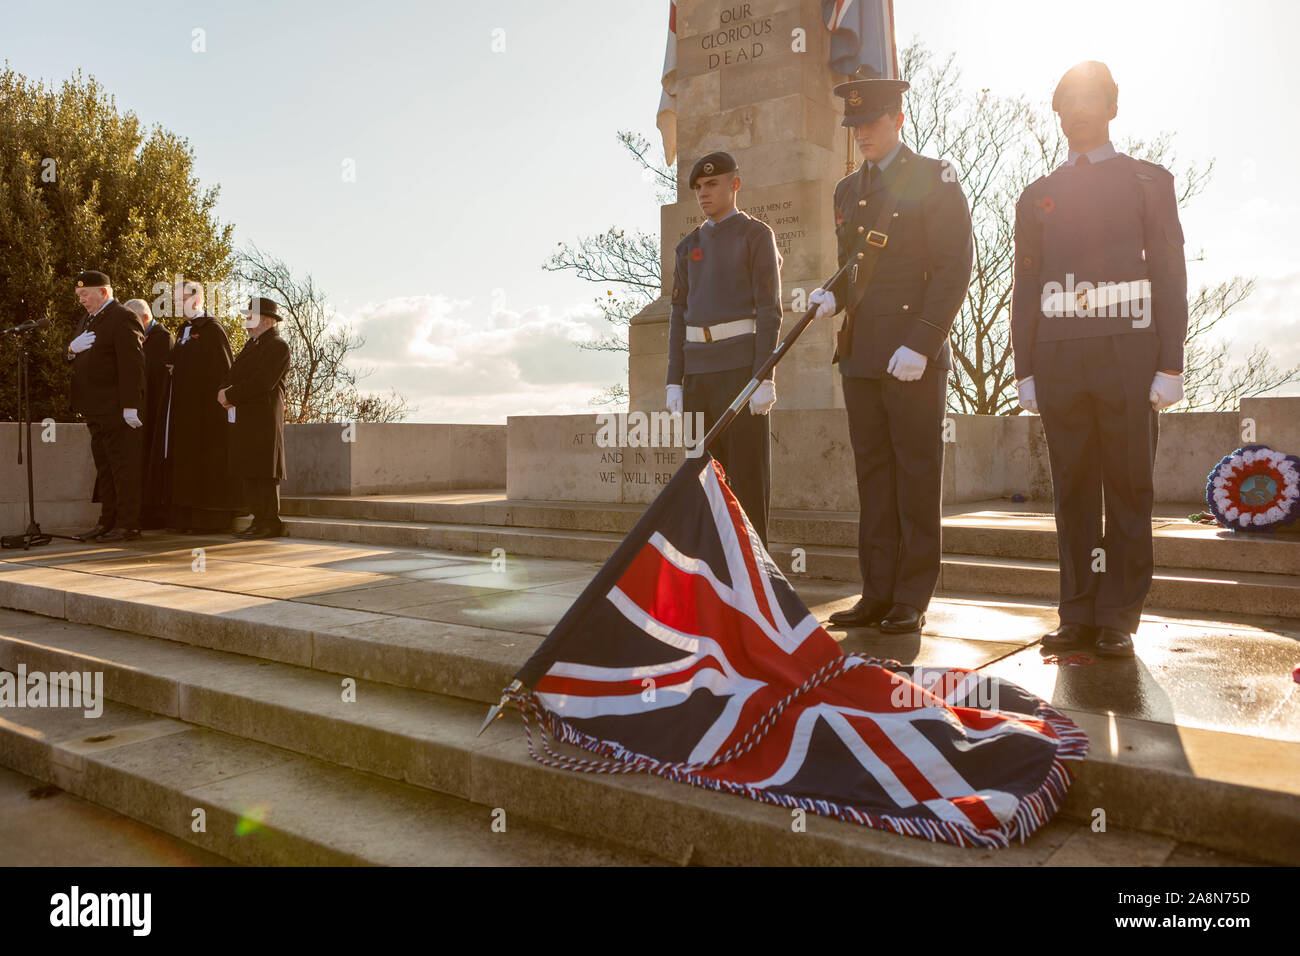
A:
[(63, 476), (337, 459), (322, 459), (560, 457)]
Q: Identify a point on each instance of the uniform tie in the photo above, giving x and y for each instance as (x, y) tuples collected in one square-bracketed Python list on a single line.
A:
[(1083, 160)]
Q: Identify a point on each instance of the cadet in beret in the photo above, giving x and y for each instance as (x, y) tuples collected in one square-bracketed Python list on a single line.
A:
[(725, 320), (254, 398), (895, 376), (1098, 323), (108, 391)]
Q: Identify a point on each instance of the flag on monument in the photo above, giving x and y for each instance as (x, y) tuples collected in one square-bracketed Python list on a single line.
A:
[(691, 656), (862, 35), (667, 119)]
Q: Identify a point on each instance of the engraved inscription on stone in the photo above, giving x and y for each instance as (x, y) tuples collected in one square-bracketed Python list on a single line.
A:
[(737, 37), (784, 219)]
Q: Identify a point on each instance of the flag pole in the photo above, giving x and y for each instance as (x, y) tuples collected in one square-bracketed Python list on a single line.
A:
[(718, 428)]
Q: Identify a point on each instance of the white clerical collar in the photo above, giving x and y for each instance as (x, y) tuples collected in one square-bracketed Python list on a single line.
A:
[(1099, 155), (710, 222)]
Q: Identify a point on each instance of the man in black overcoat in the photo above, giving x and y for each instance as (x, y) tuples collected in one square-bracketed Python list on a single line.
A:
[(203, 496), (108, 384), (254, 397), (158, 342)]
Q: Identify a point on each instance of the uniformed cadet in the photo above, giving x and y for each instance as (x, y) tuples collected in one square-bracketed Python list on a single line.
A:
[(108, 391), (726, 317), (254, 400), (1098, 323), (904, 219)]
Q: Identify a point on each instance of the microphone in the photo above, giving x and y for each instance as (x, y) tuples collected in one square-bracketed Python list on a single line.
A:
[(28, 326)]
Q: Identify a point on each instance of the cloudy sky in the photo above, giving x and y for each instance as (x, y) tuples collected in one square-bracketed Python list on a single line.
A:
[(482, 134)]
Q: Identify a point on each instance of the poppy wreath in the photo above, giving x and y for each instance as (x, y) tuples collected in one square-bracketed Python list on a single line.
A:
[(1255, 489)]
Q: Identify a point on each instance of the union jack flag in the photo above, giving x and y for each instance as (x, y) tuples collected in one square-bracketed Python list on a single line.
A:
[(862, 36), (691, 656)]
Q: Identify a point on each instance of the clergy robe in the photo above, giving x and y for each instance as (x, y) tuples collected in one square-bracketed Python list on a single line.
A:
[(203, 495)]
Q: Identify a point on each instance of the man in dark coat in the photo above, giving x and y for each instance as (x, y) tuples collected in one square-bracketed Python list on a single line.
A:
[(203, 496), (895, 375), (108, 384), (1098, 326), (254, 398), (158, 344)]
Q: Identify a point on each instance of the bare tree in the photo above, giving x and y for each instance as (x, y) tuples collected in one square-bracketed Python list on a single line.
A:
[(322, 386), (626, 264), (999, 145), (1210, 383)]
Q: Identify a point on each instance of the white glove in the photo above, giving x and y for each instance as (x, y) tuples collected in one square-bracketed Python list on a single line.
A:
[(824, 299), (764, 397), (82, 342), (131, 418), (674, 398), (906, 365), (1166, 390), (1028, 397)]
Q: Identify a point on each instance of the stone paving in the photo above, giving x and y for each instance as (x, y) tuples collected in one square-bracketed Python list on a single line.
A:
[(1218, 675)]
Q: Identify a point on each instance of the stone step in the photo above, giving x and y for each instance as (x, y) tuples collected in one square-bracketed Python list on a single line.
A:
[(466, 636), (990, 528), (1232, 793), (1219, 591), (267, 806)]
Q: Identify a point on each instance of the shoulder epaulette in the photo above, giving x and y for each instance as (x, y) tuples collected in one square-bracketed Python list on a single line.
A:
[(1148, 170)]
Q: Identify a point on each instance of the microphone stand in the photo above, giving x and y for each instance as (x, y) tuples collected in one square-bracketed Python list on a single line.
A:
[(33, 536)]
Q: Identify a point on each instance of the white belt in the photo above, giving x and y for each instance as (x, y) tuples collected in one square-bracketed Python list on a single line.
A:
[(723, 330), (1088, 301)]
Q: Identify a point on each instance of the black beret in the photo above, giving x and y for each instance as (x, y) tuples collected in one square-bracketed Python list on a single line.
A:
[(865, 101), (713, 164), (92, 278)]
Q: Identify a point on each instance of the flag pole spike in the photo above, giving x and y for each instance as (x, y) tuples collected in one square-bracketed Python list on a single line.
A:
[(495, 710)]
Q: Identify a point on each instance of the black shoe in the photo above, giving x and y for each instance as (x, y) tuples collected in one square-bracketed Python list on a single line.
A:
[(1112, 642), (1070, 635), (902, 619), (121, 534), (92, 534), (863, 614)]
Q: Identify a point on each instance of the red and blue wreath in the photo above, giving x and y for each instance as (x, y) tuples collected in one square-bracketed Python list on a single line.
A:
[(1255, 489)]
